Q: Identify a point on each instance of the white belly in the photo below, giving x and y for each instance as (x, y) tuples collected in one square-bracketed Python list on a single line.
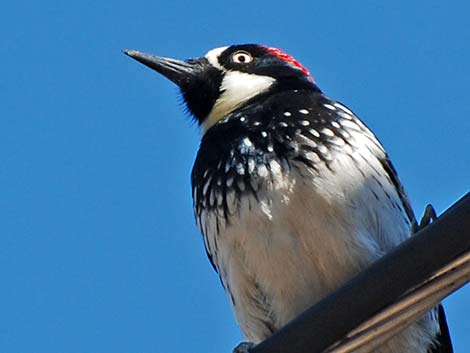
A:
[(301, 239)]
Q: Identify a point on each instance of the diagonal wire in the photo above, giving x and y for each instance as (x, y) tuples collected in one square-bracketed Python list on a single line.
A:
[(395, 318)]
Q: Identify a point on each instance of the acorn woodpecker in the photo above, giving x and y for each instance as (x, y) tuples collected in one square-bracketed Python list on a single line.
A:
[(293, 194)]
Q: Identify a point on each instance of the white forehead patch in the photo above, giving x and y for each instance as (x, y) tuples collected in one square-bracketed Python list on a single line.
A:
[(237, 87), (213, 57)]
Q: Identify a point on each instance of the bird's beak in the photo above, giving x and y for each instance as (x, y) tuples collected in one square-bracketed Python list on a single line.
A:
[(179, 71)]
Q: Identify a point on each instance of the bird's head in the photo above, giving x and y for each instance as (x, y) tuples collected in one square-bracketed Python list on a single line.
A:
[(227, 78)]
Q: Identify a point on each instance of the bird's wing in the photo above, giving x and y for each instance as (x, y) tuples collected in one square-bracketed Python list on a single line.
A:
[(392, 173)]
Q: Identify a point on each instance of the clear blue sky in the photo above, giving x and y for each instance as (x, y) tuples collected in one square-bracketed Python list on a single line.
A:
[(98, 248)]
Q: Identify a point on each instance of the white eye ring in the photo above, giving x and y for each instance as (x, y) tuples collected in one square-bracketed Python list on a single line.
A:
[(242, 57)]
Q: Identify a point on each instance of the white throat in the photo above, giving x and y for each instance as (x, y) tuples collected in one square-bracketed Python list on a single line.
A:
[(237, 87)]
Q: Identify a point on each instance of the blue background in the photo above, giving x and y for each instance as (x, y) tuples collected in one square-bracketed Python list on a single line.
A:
[(98, 247)]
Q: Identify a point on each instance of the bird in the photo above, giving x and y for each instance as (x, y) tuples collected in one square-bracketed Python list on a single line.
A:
[(294, 195)]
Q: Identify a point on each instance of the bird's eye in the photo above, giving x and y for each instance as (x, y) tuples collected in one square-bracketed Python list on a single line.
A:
[(242, 57)]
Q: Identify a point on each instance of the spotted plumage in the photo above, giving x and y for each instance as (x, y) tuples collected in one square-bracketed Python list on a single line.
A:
[(293, 194), (247, 147)]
